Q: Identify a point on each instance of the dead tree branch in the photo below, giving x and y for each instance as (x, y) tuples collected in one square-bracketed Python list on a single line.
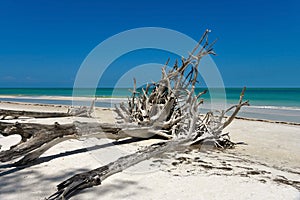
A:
[(168, 108)]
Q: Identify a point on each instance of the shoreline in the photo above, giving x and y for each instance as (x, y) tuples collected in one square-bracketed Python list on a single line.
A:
[(107, 99), (268, 121), (66, 98)]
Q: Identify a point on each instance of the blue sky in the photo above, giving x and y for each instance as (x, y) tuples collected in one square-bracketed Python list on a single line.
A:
[(43, 43)]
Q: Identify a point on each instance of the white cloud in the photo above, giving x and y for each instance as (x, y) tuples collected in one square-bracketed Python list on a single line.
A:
[(28, 78), (8, 78)]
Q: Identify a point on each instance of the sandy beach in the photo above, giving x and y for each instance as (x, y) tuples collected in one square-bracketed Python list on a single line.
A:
[(149, 100), (268, 167)]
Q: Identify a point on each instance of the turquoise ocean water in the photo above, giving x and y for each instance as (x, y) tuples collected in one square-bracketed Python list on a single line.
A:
[(281, 104)]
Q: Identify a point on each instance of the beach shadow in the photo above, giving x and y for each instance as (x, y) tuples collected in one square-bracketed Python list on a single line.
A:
[(116, 187), (28, 182), (15, 167), (17, 181)]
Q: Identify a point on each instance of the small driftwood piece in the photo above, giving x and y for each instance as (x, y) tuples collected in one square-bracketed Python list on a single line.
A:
[(83, 111), (168, 108)]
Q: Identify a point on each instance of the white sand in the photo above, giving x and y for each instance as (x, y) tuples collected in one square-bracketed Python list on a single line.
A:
[(270, 142), (272, 152), (67, 98)]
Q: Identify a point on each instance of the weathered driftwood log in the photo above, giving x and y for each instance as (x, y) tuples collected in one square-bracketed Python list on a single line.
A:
[(96, 176), (170, 107), (38, 138), (15, 114), (81, 111)]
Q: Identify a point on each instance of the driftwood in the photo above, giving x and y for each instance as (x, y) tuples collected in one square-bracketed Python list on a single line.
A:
[(16, 114), (38, 138), (167, 108), (81, 111), (96, 176), (170, 107)]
